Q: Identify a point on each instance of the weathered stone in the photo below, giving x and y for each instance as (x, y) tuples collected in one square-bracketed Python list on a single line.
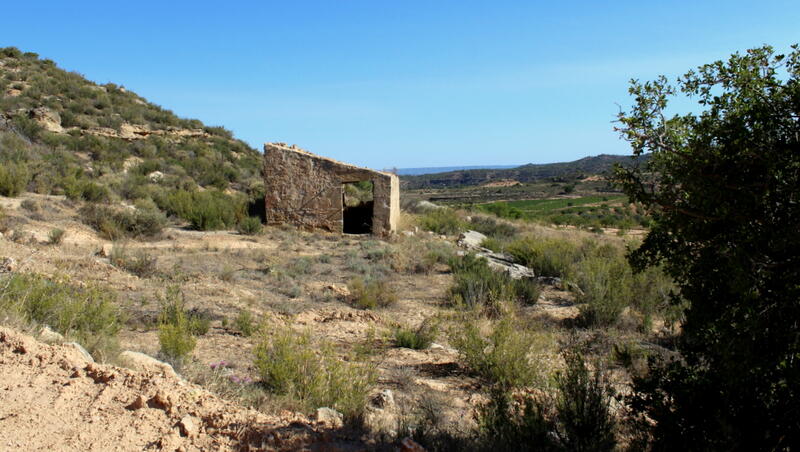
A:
[(306, 190), (409, 445), (105, 250), (8, 265), (471, 239), (49, 120), (189, 426), (330, 417), (48, 335), (384, 399), (86, 355), (140, 361), (155, 176)]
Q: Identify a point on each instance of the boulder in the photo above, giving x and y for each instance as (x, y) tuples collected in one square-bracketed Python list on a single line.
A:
[(471, 240), (155, 176), (330, 417), (140, 361), (188, 426), (49, 120), (48, 335), (86, 355), (8, 265), (384, 399)]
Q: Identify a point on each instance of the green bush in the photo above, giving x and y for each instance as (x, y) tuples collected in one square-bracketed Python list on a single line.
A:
[(14, 178), (56, 236), (605, 284), (87, 314), (173, 310), (204, 210), (578, 418), (244, 323), (141, 264), (503, 356), (475, 283), (493, 228), (547, 257), (250, 226), (290, 364), (115, 224), (371, 294), (441, 221), (416, 338)]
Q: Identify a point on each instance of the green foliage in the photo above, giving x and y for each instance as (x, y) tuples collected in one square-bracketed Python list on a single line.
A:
[(504, 356), (250, 226), (290, 364), (578, 419), (605, 289), (722, 186), (56, 236), (115, 224), (493, 228), (372, 293), (545, 256), (141, 264), (87, 314), (178, 327), (244, 323), (441, 221), (477, 284), (204, 210), (416, 338), (14, 178)]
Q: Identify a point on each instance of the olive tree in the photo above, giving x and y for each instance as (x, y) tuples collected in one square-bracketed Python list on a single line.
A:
[(723, 185)]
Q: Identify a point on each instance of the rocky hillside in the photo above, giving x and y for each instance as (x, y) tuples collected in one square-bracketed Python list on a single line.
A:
[(63, 134), (557, 172)]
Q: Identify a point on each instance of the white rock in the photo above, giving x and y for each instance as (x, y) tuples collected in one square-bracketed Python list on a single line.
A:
[(140, 361), (48, 335), (471, 239), (86, 355), (384, 399), (188, 426), (330, 417)]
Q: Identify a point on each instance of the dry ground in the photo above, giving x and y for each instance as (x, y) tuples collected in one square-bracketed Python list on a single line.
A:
[(283, 277)]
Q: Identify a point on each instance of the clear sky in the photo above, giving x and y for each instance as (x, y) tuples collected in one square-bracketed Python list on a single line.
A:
[(399, 83)]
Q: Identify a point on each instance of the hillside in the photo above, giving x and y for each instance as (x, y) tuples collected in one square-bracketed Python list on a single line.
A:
[(560, 172), (63, 134)]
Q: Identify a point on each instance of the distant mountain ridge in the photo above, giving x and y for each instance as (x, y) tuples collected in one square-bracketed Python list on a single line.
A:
[(446, 169), (587, 166)]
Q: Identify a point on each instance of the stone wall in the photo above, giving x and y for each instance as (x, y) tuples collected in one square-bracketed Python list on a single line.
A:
[(305, 189)]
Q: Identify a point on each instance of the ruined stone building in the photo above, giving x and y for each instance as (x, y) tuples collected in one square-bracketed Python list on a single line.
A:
[(308, 190)]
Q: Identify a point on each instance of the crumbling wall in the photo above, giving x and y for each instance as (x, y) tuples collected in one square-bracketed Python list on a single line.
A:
[(306, 190)]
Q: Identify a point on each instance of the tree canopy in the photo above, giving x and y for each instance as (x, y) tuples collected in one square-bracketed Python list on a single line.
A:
[(723, 185)]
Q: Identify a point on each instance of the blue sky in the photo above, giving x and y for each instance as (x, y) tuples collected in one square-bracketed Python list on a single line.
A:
[(401, 83)]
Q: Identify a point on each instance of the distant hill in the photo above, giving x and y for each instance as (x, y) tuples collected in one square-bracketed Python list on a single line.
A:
[(565, 171), (69, 135), (446, 169)]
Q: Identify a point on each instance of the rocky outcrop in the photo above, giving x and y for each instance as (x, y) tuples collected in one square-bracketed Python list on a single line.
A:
[(140, 361), (471, 240), (49, 120)]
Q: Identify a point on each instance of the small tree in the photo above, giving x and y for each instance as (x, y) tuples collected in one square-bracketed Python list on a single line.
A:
[(723, 186)]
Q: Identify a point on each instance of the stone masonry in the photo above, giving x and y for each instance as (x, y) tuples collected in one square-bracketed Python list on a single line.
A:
[(306, 190)]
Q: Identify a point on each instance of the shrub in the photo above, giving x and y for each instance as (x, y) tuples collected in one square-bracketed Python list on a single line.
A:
[(577, 419), (250, 226), (178, 327), (605, 289), (87, 314), (290, 364), (503, 356), (114, 224), (56, 236), (441, 221), (244, 323), (475, 283), (493, 228), (14, 178), (416, 338), (173, 309), (204, 210), (141, 264), (371, 294), (546, 257), (585, 421)]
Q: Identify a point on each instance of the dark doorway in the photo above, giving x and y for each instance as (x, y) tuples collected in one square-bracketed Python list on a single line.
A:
[(357, 202)]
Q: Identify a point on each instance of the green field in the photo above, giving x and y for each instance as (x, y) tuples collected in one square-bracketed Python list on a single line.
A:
[(591, 212)]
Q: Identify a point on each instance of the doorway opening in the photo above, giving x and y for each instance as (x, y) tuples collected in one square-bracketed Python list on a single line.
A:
[(357, 203)]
